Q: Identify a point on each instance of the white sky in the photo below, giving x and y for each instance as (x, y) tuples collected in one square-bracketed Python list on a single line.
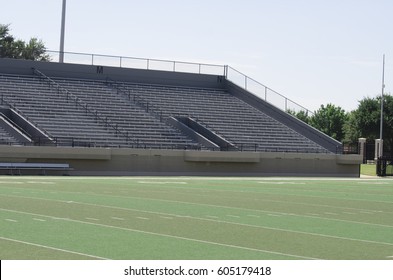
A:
[(312, 51)]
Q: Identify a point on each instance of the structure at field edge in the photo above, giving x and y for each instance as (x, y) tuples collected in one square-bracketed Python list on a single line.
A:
[(117, 121)]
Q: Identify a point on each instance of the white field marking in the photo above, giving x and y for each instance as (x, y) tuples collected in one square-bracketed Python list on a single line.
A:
[(52, 248), (233, 223), (253, 216), (183, 216), (313, 214), (168, 218), (170, 236), (322, 192), (349, 213), (210, 205), (367, 212), (70, 201), (274, 215), (39, 220), (11, 182), (142, 218), (213, 217), (41, 182), (374, 183), (11, 220), (282, 183), (330, 213), (161, 183), (91, 219), (233, 216), (278, 201), (117, 218), (296, 203)]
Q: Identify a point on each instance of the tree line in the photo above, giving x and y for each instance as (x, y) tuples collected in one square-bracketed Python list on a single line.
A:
[(10, 47), (346, 127)]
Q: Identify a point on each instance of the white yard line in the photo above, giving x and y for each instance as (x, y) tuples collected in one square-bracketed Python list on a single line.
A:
[(213, 206), (233, 216), (52, 248), (162, 182), (91, 219), (330, 213), (262, 200), (168, 218), (212, 217), (11, 220), (142, 218), (170, 236), (235, 223), (117, 218)]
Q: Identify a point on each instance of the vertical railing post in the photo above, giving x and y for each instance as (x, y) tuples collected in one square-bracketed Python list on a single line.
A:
[(245, 82), (92, 59)]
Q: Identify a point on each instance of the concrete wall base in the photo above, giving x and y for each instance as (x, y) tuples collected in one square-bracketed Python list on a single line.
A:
[(140, 162)]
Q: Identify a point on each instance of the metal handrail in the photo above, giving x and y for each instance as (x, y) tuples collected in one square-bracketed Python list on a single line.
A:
[(13, 107), (191, 67), (79, 102)]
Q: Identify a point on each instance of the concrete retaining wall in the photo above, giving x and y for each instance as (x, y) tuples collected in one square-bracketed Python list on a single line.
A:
[(106, 161)]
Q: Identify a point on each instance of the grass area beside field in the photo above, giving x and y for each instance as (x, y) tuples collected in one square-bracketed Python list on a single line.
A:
[(368, 169), (195, 218)]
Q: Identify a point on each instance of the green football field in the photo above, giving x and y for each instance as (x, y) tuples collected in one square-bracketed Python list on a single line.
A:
[(195, 218)]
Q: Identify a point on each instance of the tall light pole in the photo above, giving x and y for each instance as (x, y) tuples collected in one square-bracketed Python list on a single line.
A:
[(381, 122), (62, 33)]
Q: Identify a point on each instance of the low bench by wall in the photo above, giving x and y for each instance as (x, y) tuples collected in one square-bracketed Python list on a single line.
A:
[(19, 168)]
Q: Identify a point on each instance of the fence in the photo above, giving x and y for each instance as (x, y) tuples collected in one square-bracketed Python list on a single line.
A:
[(228, 72), (385, 166)]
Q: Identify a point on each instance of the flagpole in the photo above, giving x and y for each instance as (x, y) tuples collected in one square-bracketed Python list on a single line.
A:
[(381, 121), (62, 33)]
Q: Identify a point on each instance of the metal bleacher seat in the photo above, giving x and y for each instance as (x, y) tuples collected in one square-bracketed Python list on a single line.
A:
[(133, 109)]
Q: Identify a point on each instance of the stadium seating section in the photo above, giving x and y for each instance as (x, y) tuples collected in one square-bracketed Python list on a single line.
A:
[(124, 114)]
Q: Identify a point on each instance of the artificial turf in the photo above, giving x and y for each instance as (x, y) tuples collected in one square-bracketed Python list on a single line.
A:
[(195, 218)]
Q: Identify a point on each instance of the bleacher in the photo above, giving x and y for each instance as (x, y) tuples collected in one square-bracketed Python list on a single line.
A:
[(6, 138), (137, 115), (229, 117), (141, 126)]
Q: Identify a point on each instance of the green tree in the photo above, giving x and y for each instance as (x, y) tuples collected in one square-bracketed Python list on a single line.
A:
[(18, 49), (330, 119), (301, 115), (365, 121)]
